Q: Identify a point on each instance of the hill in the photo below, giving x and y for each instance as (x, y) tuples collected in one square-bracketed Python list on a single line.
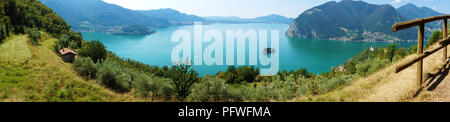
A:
[(273, 18), (96, 15), (173, 16), (385, 85), (19, 16), (29, 73), (33, 72), (350, 20), (411, 11)]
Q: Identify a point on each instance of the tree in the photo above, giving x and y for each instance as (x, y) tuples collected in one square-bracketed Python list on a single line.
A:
[(2, 31), (241, 74), (34, 34), (182, 78), (63, 42), (437, 35), (391, 51), (85, 67), (114, 76), (95, 50)]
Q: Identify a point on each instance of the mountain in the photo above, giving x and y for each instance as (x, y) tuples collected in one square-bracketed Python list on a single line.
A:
[(173, 16), (231, 19), (273, 18), (411, 11), (350, 20), (97, 15)]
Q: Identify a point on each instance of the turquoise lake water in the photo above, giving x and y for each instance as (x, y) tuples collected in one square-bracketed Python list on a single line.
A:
[(315, 55)]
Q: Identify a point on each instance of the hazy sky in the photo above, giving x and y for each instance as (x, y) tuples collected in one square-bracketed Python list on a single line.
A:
[(255, 8)]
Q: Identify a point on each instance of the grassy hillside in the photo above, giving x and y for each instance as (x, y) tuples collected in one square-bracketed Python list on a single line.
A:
[(36, 73), (385, 85)]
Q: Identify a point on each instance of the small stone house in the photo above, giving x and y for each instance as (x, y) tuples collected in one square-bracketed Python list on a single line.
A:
[(68, 55)]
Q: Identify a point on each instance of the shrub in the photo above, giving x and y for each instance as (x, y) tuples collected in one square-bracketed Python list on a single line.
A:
[(437, 35), (310, 86), (3, 33), (114, 76), (182, 78), (85, 67), (210, 89), (391, 51), (412, 49), (138, 66), (95, 50), (328, 85), (63, 42), (282, 89), (363, 68), (146, 86), (242, 74), (34, 34)]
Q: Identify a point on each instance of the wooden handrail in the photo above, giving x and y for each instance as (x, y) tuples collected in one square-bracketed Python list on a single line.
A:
[(443, 43), (420, 39), (405, 25)]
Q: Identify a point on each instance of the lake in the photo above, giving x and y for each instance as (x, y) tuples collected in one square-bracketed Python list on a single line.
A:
[(315, 55)]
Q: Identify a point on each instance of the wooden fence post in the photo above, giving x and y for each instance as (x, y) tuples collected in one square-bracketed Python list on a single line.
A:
[(444, 35), (419, 52)]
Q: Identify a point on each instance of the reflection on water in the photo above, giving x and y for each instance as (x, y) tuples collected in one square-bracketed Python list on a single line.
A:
[(314, 54)]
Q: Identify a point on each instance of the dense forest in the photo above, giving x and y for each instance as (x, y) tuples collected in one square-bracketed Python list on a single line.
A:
[(19, 16)]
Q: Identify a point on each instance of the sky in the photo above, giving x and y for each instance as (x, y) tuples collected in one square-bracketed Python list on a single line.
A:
[(256, 8)]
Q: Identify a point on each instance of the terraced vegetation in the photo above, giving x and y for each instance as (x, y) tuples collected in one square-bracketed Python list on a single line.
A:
[(15, 49), (38, 74)]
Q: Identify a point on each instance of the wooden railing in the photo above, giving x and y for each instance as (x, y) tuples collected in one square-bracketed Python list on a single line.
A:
[(420, 54)]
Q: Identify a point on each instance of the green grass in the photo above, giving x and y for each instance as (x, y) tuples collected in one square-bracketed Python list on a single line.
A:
[(15, 49), (39, 75)]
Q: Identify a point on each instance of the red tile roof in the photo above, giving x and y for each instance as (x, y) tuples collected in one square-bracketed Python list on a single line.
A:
[(66, 50)]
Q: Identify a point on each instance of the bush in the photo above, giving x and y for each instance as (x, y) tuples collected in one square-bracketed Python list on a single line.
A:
[(34, 34), (210, 89), (182, 78), (391, 51), (95, 50), (85, 67), (114, 76), (309, 86), (412, 49), (328, 85), (283, 89), (3, 32), (63, 42), (150, 86), (138, 66), (363, 68), (242, 74), (437, 35)]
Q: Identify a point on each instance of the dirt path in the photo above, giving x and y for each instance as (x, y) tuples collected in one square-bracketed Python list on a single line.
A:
[(437, 87), (388, 86)]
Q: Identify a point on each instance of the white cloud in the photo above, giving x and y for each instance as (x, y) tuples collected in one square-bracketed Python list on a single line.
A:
[(400, 1), (397, 1)]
